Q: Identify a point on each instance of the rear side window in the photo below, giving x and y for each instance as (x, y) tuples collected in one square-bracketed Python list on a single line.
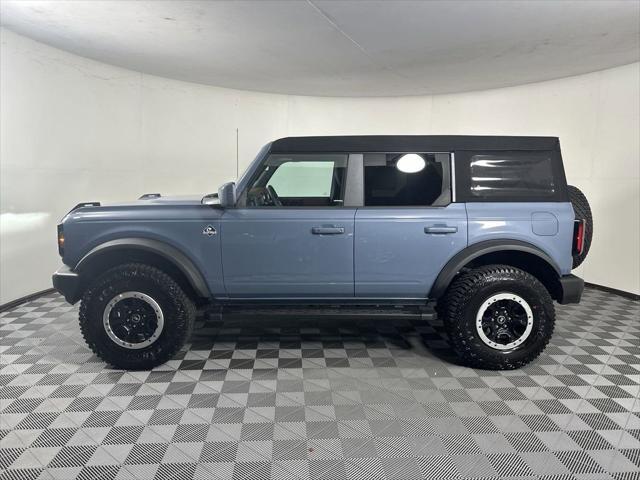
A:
[(508, 176), (406, 179)]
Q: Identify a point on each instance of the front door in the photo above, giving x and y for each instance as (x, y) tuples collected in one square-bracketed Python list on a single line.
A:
[(291, 237)]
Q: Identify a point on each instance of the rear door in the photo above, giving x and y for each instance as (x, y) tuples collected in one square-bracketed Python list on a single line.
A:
[(408, 227)]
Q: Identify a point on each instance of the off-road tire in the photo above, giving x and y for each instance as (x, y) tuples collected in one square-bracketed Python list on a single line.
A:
[(582, 211), (464, 298), (178, 310)]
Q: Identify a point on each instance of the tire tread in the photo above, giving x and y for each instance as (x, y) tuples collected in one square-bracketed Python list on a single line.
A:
[(457, 298), (157, 276)]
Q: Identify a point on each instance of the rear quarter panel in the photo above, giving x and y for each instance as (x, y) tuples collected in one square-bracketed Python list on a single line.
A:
[(547, 225)]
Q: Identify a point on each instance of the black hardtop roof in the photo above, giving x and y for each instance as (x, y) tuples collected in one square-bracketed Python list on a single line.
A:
[(410, 143)]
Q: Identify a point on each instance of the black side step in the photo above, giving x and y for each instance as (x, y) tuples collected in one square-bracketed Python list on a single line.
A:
[(422, 313)]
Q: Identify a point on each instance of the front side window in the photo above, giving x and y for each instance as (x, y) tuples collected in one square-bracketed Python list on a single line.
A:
[(303, 180), (406, 179)]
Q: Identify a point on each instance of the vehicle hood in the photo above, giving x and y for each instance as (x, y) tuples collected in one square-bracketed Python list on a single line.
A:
[(163, 207), (163, 200)]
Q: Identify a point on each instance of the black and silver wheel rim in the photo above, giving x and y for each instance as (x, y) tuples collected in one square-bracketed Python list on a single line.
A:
[(133, 320), (504, 321)]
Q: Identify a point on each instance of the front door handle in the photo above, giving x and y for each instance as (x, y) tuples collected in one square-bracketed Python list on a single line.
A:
[(440, 229), (327, 230)]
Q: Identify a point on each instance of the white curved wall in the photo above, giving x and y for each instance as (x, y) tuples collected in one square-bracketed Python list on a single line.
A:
[(76, 130)]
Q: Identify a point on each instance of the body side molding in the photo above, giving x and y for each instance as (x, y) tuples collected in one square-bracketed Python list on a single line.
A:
[(476, 250)]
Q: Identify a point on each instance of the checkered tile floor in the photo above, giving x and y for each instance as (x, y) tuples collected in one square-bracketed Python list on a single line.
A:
[(360, 399)]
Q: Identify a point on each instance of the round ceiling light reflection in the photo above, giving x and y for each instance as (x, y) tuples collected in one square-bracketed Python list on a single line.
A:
[(410, 163)]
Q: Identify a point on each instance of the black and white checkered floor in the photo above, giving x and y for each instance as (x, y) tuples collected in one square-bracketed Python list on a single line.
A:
[(284, 398)]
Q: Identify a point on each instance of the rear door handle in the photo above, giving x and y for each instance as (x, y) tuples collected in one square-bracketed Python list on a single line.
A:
[(440, 229), (327, 230)]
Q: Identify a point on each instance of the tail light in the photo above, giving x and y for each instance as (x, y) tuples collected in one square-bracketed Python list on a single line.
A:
[(60, 240), (578, 237)]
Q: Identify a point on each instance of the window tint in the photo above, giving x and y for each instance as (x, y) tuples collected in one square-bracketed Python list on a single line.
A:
[(512, 175), (303, 179), (400, 179), (299, 180)]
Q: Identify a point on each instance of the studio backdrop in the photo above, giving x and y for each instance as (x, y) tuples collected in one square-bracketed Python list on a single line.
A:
[(75, 130)]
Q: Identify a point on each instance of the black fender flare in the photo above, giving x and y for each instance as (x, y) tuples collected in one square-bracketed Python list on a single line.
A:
[(168, 252), (462, 258)]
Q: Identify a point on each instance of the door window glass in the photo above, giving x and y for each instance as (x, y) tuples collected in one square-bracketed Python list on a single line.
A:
[(304, 180), (406, 179)]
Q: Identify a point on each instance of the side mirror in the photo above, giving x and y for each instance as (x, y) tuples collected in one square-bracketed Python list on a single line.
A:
[(227, 195)]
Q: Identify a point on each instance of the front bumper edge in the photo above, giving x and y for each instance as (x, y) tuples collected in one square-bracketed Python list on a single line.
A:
[(67, 282)]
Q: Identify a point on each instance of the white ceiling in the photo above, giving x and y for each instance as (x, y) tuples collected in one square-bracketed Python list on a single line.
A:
[(341, 48)]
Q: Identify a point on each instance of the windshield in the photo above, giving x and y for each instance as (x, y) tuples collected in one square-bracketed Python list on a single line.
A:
[(244, 178)]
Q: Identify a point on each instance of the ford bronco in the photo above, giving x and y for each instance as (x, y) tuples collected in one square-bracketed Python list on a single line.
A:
[(483, 228)]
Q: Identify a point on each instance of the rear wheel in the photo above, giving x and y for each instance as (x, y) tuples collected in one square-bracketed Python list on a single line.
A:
[(498, 317), (135, 316)]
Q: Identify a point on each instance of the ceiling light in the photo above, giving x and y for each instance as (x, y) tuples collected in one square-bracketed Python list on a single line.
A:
[(410, 163)]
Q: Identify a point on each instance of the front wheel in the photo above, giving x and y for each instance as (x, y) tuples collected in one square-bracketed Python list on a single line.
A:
[(498, 317), (136, 317)]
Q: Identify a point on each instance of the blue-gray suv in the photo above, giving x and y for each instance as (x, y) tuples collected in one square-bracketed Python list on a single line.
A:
[(483, 228)]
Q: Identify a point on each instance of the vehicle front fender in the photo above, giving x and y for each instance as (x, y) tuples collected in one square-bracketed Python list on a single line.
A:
[(164, 250)]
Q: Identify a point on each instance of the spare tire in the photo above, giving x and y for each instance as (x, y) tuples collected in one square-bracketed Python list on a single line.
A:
[(582, 211)]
